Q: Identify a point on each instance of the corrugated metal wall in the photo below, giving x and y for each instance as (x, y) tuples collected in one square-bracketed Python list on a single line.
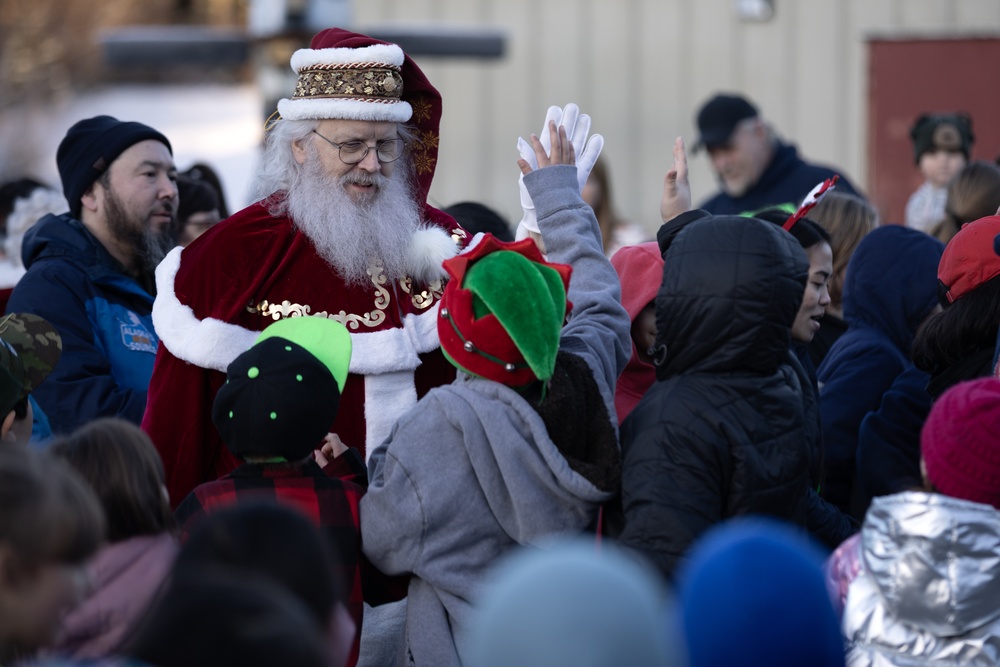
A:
[(642, 68)]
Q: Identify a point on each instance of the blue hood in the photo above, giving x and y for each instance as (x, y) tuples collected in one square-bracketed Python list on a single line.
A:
[(892, 283), (64, 236), (58, 235)]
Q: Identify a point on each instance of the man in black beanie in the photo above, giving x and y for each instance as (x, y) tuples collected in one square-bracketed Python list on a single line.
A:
[(90, 271)]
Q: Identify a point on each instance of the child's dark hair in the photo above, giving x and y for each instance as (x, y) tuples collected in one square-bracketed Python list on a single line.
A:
[(264, 539), (47, 513), (805, 231), (221, 618), (123, 467)]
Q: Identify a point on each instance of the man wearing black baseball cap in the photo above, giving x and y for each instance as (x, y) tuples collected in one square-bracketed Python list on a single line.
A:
[(755, 169), (90, 271)]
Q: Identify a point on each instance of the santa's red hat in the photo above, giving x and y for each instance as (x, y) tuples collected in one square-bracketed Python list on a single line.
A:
[(346, 75)]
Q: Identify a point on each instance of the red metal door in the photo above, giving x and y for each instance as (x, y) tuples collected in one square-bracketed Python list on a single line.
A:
[(908, 77)]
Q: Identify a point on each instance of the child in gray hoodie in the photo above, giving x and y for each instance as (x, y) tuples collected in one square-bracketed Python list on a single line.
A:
[(521, 448)]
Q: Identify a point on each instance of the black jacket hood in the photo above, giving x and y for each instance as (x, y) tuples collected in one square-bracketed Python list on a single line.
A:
[(731, 289)]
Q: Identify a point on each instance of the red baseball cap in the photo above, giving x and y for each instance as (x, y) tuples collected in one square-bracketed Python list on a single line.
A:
[(969, 259)]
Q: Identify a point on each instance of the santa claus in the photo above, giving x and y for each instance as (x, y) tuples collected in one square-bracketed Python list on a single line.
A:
[(341, 229)]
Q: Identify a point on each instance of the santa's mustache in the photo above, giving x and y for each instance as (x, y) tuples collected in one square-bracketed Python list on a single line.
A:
[(364, 178)]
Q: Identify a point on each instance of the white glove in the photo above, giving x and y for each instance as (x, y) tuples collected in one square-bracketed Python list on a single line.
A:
[(577, 128)]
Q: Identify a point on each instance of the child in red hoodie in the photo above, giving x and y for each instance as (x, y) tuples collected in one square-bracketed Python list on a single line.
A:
[(640, 270)]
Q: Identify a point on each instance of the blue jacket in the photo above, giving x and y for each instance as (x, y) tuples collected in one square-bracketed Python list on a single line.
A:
[(103, 316), (889, 441), (787, 179), (890, 289)]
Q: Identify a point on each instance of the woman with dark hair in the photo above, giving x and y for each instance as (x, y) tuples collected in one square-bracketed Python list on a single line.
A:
[(825, 522), (124, 469), (953, 345), (198, 210), (816, 242), (847, 219), (200, 171)]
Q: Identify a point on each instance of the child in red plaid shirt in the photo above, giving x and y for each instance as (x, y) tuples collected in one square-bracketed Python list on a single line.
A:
[(277, 405)]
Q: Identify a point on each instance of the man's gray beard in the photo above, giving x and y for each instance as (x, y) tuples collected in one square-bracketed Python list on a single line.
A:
[(351, 235), (148, 247)]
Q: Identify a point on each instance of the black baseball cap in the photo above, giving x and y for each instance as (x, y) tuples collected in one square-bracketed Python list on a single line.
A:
[(718, 118)]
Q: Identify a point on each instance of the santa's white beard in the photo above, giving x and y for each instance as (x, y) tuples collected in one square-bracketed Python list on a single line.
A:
[(351, 235)]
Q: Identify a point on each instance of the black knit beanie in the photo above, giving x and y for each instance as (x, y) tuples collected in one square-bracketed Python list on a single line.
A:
[(90, 147), (948, 132), (278, 401)]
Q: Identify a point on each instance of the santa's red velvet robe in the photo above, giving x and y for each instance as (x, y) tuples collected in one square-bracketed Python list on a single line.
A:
[(253, 269)]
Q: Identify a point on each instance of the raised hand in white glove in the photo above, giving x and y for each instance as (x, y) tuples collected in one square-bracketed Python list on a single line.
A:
[(577, 129)]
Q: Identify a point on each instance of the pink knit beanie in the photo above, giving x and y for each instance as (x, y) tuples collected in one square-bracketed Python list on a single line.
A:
[(960, 442)]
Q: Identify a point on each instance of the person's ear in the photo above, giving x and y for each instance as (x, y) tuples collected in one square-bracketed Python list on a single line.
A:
[(90, 199), (299, 150), (8, 423)]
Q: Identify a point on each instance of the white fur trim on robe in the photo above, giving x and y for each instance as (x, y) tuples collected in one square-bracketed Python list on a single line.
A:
[(394, 394), (207, 343), (386, 358)]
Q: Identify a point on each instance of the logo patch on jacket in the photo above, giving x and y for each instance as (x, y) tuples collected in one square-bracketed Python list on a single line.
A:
[(136, 337)]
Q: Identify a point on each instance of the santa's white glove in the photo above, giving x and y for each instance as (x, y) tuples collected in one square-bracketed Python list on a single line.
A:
[(577, 128)]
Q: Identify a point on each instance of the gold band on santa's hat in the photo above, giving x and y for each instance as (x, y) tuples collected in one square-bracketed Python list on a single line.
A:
[(354, 84), (370, 84)]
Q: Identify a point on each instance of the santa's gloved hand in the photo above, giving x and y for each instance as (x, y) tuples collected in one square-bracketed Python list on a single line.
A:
[(577, 129)]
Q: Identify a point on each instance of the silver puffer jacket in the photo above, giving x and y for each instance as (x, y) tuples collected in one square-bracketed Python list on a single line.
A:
[(928, 592)]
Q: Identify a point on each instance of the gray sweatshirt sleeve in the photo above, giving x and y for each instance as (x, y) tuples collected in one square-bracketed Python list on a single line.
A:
[(599, 329)]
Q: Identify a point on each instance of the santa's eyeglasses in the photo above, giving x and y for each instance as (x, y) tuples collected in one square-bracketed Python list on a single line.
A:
[(353, 152)]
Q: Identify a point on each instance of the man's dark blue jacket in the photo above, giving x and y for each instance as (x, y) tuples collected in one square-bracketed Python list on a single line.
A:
[(103, 317), (786, 180)]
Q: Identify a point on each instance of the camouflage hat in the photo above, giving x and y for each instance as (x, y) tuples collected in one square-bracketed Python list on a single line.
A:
[(31, 348)]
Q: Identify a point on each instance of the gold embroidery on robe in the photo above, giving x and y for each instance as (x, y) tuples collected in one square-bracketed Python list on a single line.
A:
[(350, 320), (425, 298)]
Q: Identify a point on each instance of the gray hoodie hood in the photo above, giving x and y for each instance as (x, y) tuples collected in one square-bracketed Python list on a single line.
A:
[(530, 487)]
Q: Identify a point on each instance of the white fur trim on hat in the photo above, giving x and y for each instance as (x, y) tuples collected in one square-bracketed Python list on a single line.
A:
[(387, 54), (342, 108)]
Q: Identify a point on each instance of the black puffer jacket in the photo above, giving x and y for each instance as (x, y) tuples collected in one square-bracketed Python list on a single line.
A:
[(722, 432)]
